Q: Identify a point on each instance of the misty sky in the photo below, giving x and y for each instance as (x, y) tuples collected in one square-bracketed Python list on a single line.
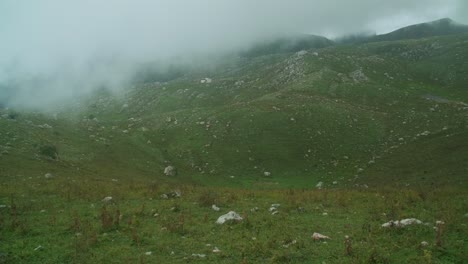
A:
[(56, 49)]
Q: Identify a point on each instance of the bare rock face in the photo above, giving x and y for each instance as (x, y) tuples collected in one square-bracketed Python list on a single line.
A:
[(170, 171)]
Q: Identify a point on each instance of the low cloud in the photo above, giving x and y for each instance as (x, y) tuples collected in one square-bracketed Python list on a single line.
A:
[(54, 50)]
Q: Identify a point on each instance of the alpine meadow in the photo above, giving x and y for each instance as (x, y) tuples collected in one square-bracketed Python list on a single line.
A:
[(271, 138)]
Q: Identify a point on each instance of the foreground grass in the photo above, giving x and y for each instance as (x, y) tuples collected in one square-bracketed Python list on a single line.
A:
[(63, 220)]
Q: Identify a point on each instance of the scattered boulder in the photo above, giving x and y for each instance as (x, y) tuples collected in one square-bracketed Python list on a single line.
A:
[(107, 199), (358, 76), (45, 126), (290, 243), (171, 195), (170, 171), (301, 53), (206, 80), (424, 244), (319, 185), (231, 216), (49, 176), (216, 250), (274, 209), (318, 236), (267, 174), (255, 209), (402, 223), (214, 207)]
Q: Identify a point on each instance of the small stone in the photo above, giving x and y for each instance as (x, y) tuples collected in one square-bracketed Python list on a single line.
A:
[(107, 199), (216, 250), (38, 248)]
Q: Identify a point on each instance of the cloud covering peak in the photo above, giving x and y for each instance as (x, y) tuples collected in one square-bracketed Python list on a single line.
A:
[(55, 49)]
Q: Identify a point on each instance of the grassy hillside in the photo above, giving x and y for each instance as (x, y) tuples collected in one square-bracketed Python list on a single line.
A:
[(383, 126)]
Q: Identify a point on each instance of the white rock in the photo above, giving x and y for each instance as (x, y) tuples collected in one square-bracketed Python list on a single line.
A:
[(424, 244), (319, 185), (107, 199), (301, 53), (318, 236), (38, 248), (48, 176), (267, 173), (229, 216), (255, 209), (290, 244), (216, 250), (170, 171), (214, 207), (402, 223), (199, 255), (148, 253), (425, 133)]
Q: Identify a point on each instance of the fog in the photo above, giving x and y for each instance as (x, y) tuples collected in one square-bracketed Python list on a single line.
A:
[(55, 50)]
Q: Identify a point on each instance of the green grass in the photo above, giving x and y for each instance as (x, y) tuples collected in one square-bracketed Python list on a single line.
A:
[(303, 119), (72, 229)]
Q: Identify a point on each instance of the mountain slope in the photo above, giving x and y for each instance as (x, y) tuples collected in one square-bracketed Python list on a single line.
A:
[(336, 114)]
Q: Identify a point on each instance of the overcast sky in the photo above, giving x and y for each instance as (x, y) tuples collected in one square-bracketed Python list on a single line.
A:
[(60, 41)]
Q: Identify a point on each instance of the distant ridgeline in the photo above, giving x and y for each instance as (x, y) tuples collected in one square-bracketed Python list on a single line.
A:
[(288, 44), (296, 43), (435, 28)]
